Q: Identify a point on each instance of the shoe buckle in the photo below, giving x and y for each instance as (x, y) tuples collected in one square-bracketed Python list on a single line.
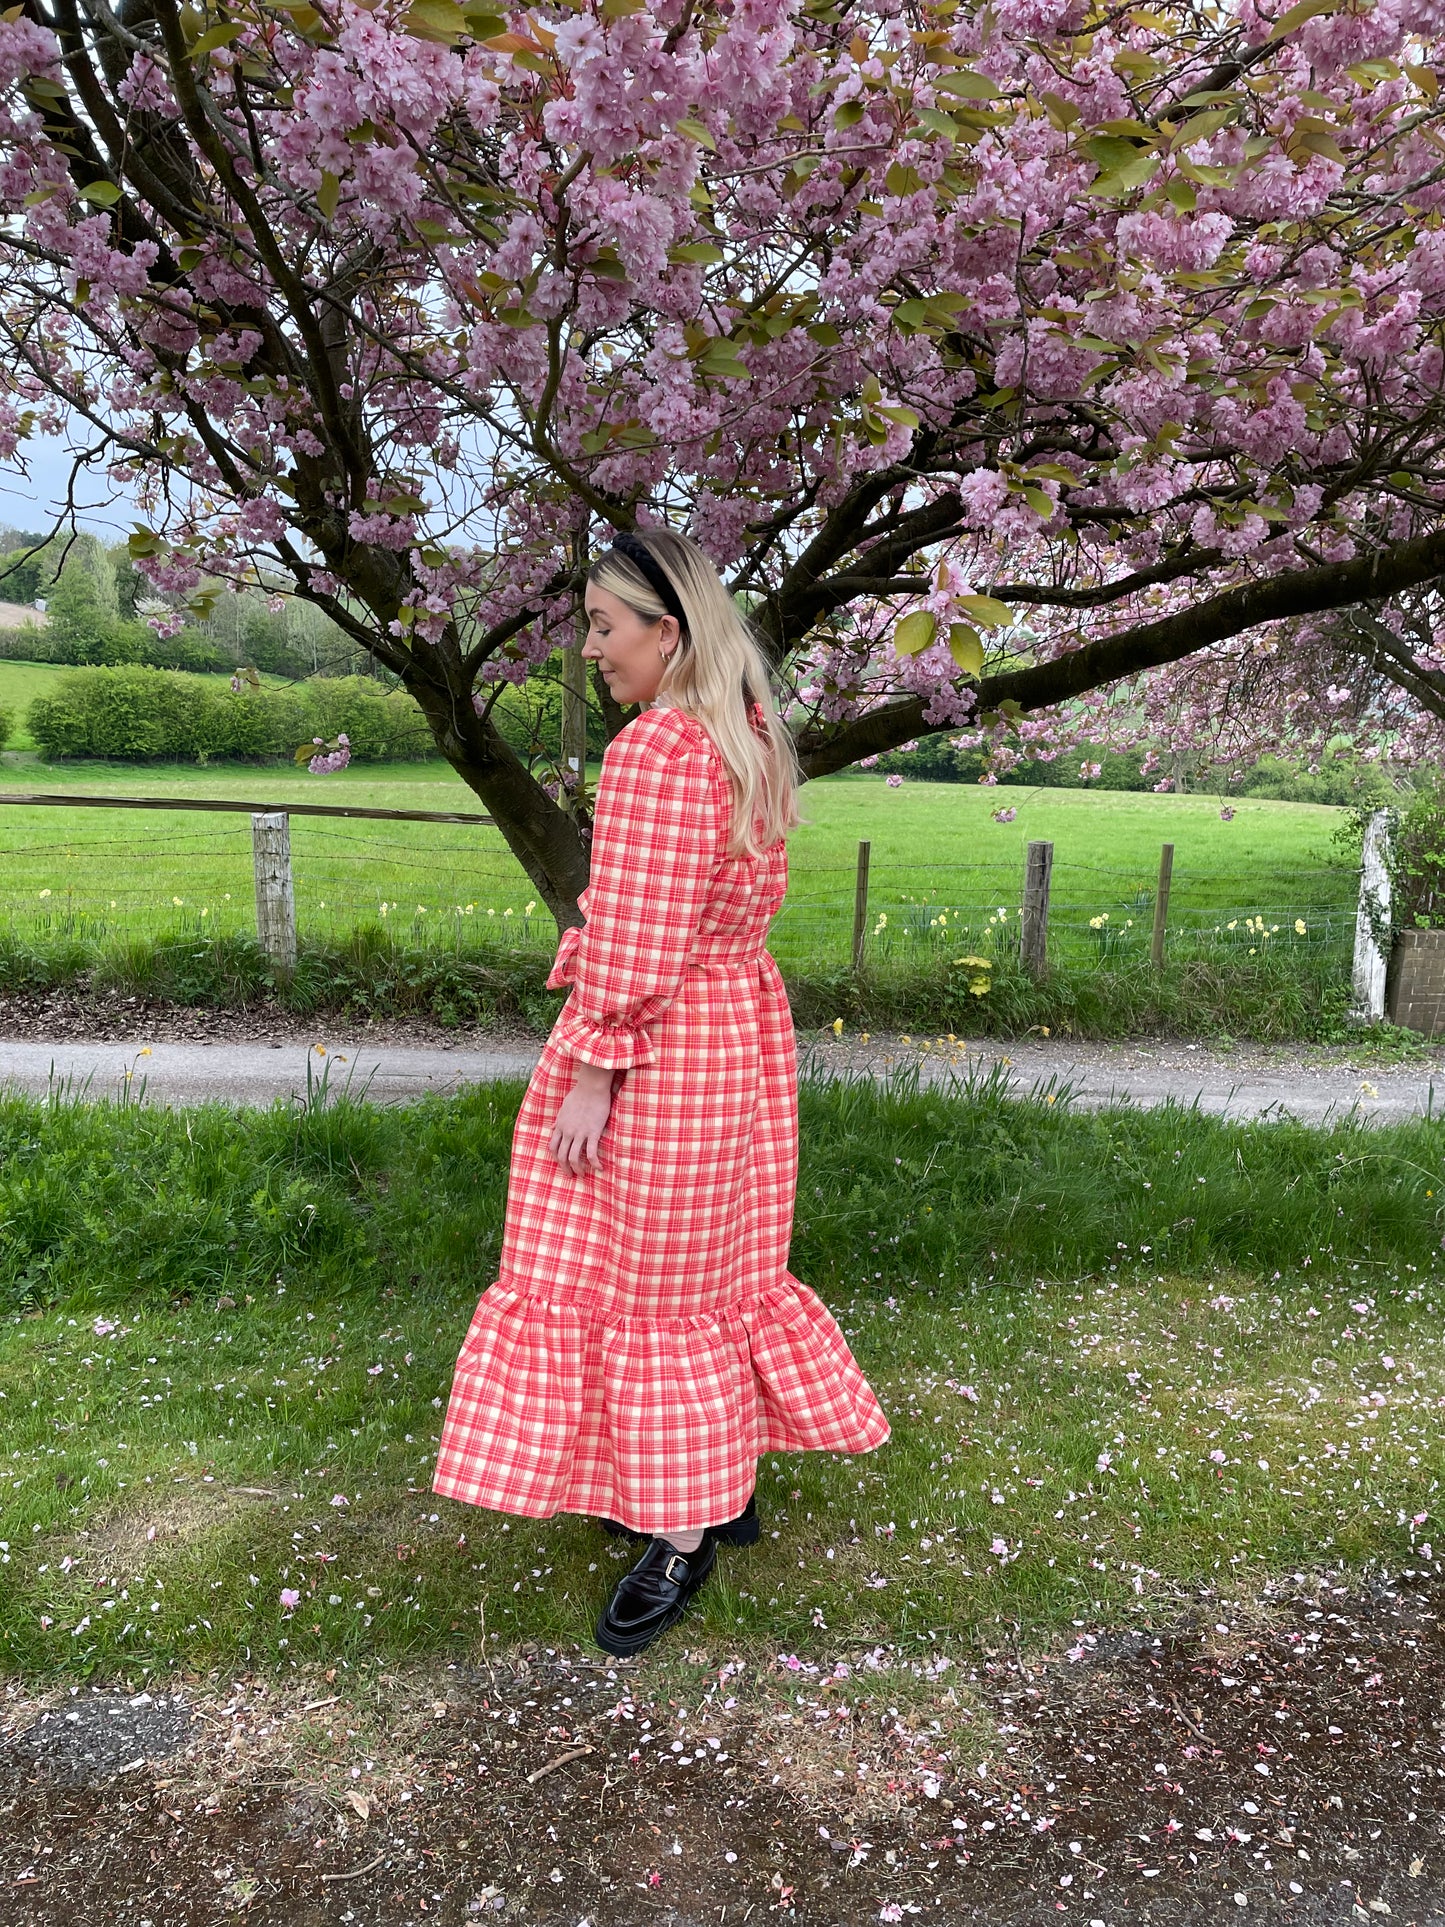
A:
[(667, 1571)]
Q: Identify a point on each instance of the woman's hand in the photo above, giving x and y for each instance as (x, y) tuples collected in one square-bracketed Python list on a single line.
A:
[(582, 1118)]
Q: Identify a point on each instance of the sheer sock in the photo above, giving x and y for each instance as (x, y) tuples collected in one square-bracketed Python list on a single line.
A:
[(684, 1541)]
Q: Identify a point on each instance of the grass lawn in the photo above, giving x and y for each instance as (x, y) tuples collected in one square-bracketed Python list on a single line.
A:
[(1123, 1354), (940, 867)]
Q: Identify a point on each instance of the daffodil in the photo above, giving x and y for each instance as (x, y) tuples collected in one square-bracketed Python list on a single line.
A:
[(837, 1026), (1299, 926)]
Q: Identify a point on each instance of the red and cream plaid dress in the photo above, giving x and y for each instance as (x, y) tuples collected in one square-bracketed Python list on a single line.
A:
[(645, 1340)]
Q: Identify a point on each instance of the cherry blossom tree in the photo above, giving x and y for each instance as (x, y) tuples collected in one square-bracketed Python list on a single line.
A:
[(1005, 357)]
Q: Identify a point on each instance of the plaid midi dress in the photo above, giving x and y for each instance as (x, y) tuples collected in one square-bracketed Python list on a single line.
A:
[(644, 1340)]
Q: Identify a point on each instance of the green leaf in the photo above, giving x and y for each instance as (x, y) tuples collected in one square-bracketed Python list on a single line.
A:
[(936, 123), (1401, 479), (1297, 16), (1039, 502), (221, 36), (966, 647), (915, 632), (970, 85), (143, 542), (695, 131), (849, 114), (1200, 126), (705, 251), (902, 179), (436, 20), (482, 24), (619, 9), (101, 193), (986, 611), (327, 195), (1052, 472)]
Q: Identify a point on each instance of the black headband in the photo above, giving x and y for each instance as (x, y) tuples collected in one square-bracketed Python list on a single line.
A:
[(637, 551)]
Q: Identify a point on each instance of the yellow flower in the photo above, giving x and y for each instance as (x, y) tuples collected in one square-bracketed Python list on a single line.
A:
[(421, 909), (469, 909), (320, 1049), (863, 1035), (1233, 924), (530, 908), (837, 1026), (1299, 926), (206, 912), (383, 909), (1043, 1030), (177, 899), (507, 912), (45, 893), (905, 1040), (144, 1051)]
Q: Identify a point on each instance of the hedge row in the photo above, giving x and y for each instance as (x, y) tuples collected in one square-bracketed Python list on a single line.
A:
[(127, 643), (161, 715)]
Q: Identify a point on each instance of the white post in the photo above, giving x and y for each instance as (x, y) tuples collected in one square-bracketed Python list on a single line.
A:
[(1372, 924), (275, 903)]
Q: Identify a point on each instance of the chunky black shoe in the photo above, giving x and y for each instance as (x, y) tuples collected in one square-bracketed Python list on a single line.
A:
[(647, 1600), (745, 1530)]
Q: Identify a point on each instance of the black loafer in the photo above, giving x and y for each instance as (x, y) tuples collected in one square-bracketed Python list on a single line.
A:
[(647, 1600), (745, 1530)]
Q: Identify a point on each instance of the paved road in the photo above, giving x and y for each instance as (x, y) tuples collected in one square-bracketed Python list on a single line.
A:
[(1240, 1083)]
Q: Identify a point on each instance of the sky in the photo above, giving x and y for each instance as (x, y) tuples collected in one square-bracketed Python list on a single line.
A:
[(32, 501)]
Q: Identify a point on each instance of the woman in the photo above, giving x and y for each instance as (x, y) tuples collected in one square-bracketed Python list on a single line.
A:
[(645, 1342)]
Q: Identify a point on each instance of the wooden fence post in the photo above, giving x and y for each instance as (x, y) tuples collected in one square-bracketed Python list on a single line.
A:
[(860, 904), (1372, 923), (1034, 927), (1161, 904), (275, 902)]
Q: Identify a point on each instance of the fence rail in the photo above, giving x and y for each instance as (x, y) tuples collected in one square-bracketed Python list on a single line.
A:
[(1045, 909)]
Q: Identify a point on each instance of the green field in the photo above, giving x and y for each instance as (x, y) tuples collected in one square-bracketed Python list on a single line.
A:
[(936, 855)]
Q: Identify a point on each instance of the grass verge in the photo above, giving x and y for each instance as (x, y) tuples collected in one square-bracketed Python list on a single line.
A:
[(1124, 1354), (1296, 996)]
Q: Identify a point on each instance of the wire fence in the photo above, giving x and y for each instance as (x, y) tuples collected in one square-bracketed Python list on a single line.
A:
[(94, 875)]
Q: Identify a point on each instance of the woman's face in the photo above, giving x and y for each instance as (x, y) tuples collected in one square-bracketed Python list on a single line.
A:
[(626, 646)]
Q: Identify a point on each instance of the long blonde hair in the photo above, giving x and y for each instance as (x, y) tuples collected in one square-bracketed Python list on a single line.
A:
[(716, 672)]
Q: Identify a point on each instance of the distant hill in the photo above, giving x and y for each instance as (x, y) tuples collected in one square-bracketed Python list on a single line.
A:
[(15, 615)]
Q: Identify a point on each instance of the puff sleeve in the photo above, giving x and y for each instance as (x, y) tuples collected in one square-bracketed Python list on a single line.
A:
[(657, 842)]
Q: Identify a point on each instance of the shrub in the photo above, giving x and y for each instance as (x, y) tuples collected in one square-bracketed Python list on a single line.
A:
[(159, 715), (7, 726)]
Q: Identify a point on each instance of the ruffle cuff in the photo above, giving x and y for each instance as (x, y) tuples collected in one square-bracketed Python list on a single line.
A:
[(612, 1046)]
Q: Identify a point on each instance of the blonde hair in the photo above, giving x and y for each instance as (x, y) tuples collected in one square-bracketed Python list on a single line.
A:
[(717, 671)]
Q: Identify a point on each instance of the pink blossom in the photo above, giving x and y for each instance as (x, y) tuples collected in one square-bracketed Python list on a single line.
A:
[(290, 1598), (893, 782)]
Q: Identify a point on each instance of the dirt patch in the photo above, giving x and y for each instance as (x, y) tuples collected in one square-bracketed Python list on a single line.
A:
[(1283, 1762), (78, 1016)]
